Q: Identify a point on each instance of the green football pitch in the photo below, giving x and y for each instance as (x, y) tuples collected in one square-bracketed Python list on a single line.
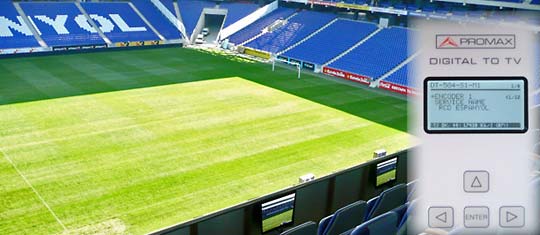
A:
[(129, 142)]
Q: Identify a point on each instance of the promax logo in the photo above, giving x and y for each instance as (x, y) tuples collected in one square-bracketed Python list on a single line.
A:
[(476, 41)]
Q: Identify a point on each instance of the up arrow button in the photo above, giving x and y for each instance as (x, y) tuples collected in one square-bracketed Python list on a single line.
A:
[(476, 181)]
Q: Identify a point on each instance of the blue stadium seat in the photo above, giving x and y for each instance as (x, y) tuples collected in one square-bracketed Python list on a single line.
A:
[(535, 2), (412, 190), (343, 220), (128, 28), (68, 34), (256, 27), (157, 19), (14, 33), (400, 77), (383, 224), (331, 42), (387, 201), (299, 27), (378, 55), (308, 228), (191, 10), (237, 11)]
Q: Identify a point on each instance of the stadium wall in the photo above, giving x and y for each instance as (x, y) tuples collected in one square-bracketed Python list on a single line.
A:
[(314, 200)]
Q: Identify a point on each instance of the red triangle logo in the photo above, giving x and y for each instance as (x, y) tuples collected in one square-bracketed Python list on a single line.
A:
[(448, 42)]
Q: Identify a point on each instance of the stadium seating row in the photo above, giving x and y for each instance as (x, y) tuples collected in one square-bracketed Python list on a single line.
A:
[(63, 23), (384, 214), (47, 17), (378, 55), (401, 76), (119, 22), (331, 42), (156, 19), (297, 28), (14, 32)]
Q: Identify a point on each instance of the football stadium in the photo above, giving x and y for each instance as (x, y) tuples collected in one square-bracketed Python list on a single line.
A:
[(199, 117)]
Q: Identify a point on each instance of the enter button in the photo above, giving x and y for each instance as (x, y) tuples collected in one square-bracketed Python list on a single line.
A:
[(476, 217)]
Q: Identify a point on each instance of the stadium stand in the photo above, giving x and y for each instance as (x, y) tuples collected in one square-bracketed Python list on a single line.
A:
[(383, 224), (256, 28), (299, 27), (157, 19), (393, 209), (401, 76), (68, 34), (237, 11), (126, 27), (331, 42), (535, 2), (191, 12), (343, 220), (14, 32), (387, 201), (376, 56)]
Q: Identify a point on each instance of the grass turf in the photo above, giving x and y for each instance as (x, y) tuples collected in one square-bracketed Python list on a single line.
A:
[(132, 141)]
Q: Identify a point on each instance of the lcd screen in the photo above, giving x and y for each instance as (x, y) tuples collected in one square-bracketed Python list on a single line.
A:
[(475, 105), (277, 213)]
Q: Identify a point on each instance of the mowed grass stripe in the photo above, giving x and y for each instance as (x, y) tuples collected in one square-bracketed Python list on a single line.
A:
[(153, 175)]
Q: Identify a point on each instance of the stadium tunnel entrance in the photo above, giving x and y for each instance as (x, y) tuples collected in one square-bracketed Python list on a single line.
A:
[(211, 19), (213, 22)]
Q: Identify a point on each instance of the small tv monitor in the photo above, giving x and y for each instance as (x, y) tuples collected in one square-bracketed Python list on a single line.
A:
[(386, 172), (278, 212)]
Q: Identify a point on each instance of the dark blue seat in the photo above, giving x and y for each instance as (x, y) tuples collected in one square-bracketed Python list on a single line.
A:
[(411, 190), (343, 220), (385, 224), (308, 228), (387, 201)]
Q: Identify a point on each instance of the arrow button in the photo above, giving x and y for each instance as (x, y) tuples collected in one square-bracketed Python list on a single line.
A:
[(512, 216), (476, 181), (441, 217)]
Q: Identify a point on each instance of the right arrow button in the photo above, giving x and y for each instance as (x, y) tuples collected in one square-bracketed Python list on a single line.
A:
[(512, 216)]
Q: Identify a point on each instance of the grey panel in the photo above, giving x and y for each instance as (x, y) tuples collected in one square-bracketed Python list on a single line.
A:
[(311, 202), (231, 223)]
